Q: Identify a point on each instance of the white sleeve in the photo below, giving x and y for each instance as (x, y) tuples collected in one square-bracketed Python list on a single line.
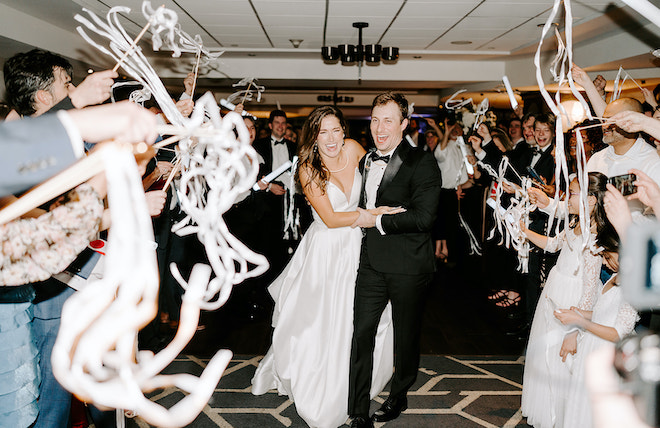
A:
[(379, 224), (625, 320), (591, 280), (554, 243)]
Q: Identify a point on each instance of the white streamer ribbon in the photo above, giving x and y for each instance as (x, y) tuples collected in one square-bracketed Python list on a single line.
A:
[(95, 355)]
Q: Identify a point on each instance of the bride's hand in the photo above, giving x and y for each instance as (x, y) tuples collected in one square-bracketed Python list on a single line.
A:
[(387, 210)]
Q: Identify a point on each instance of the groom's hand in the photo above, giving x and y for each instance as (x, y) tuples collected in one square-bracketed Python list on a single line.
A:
[(365, 219)]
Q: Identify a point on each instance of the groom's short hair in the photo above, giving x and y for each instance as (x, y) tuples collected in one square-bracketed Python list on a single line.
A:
[(394, 97)]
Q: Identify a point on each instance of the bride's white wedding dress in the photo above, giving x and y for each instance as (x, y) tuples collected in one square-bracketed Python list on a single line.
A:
[(313, 321)]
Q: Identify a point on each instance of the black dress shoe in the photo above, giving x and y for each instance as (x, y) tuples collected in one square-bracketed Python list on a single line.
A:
[(391, 409), (360, 422)]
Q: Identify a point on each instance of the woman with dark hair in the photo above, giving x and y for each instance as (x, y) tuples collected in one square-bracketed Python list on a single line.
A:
[(313, 317), (572, 282), (591, 137)]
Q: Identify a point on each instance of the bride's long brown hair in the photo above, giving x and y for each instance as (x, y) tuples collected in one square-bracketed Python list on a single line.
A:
[(308, 154)]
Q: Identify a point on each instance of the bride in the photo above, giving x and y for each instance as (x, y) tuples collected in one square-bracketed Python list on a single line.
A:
[(313, 318)]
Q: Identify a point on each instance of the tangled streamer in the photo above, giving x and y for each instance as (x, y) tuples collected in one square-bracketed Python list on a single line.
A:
[(165, 21), (219, 165), (95, 355), (118, 42), (247, 94), (138, 96), (560, 69), (507, 220)]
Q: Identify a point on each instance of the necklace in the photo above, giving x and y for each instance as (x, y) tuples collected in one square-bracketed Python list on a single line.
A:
[(340, 169)]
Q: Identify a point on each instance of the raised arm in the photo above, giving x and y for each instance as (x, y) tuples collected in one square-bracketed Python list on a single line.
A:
[(549, 244), (582, 78)]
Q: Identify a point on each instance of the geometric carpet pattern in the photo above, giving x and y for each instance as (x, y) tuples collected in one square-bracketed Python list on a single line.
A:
[(450, 391)]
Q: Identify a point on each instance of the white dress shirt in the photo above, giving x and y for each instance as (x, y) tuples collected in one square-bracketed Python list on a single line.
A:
[(450, 162), (374, 177), (640, 156), (280, 157), (537, 156)]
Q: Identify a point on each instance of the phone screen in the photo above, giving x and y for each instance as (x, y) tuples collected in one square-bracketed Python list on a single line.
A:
[(624, 183)]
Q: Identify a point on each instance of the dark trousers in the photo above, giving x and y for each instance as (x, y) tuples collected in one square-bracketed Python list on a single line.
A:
[(373, 291)]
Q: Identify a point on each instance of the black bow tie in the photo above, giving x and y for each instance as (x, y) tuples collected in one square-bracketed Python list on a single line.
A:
[(376, 158), (278, 142), (538, 151)]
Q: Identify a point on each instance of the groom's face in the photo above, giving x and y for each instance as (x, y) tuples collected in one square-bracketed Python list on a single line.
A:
[(387, 126)]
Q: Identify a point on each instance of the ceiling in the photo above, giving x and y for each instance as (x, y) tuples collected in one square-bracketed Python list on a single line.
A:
[(498, 37)]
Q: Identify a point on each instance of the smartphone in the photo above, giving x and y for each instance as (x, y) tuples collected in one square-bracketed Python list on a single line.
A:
[(624, 183), (535, 175)]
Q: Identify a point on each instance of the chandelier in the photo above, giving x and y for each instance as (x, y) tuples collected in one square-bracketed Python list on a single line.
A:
[(350, 54)]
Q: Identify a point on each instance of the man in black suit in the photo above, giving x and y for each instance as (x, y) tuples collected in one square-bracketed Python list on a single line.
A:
[(397, 258), (275, 150), (520, 150)]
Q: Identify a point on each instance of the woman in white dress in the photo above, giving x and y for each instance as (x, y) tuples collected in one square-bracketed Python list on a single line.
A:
[(313, 317), (573, 281), (611, 319)]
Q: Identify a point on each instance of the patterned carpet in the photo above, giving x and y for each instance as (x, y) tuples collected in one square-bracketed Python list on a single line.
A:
[(450, 391)]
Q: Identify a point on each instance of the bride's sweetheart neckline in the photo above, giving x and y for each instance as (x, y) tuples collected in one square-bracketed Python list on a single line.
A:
[(350, 194)]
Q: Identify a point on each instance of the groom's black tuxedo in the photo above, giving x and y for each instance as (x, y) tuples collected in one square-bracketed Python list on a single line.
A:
[(412, 180), (396, 267)]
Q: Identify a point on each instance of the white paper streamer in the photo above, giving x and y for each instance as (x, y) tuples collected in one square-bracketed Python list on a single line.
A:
[(507, 221), (291, 214), (274, 174), (646, 9), (454, 104), (165, 21), (480, 113), (219, 166), (247, 94), (509, 91), (560, 69), (95, 355), (464, 153), (118, 42), (229, 106)]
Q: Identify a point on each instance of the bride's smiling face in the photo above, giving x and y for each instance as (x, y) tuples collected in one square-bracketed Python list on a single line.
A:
[(330, 138)]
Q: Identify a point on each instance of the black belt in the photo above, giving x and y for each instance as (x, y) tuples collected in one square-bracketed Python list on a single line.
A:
[(17, 294)]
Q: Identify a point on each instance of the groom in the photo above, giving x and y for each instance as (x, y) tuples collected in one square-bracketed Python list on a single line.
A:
[(396, 261)]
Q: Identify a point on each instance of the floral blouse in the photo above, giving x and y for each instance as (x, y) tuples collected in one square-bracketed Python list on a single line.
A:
[(36, 248)]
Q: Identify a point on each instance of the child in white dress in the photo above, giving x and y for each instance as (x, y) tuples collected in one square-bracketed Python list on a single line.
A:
[(611, 319), (573, 281)]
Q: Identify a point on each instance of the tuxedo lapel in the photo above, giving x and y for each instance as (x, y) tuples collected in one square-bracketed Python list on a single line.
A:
[(393, 166), (364, 170)]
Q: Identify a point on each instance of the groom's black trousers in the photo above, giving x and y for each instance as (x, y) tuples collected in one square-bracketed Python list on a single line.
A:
[(373, 291)]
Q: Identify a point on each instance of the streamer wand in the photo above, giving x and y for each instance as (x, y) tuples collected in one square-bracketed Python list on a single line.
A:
[(132, 46), (192, 93), (247, 92)]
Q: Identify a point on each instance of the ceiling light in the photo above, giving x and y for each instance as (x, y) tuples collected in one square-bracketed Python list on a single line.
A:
[(296, 42), (461, 42), (359, 53), (417, 56), (252, 54)]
